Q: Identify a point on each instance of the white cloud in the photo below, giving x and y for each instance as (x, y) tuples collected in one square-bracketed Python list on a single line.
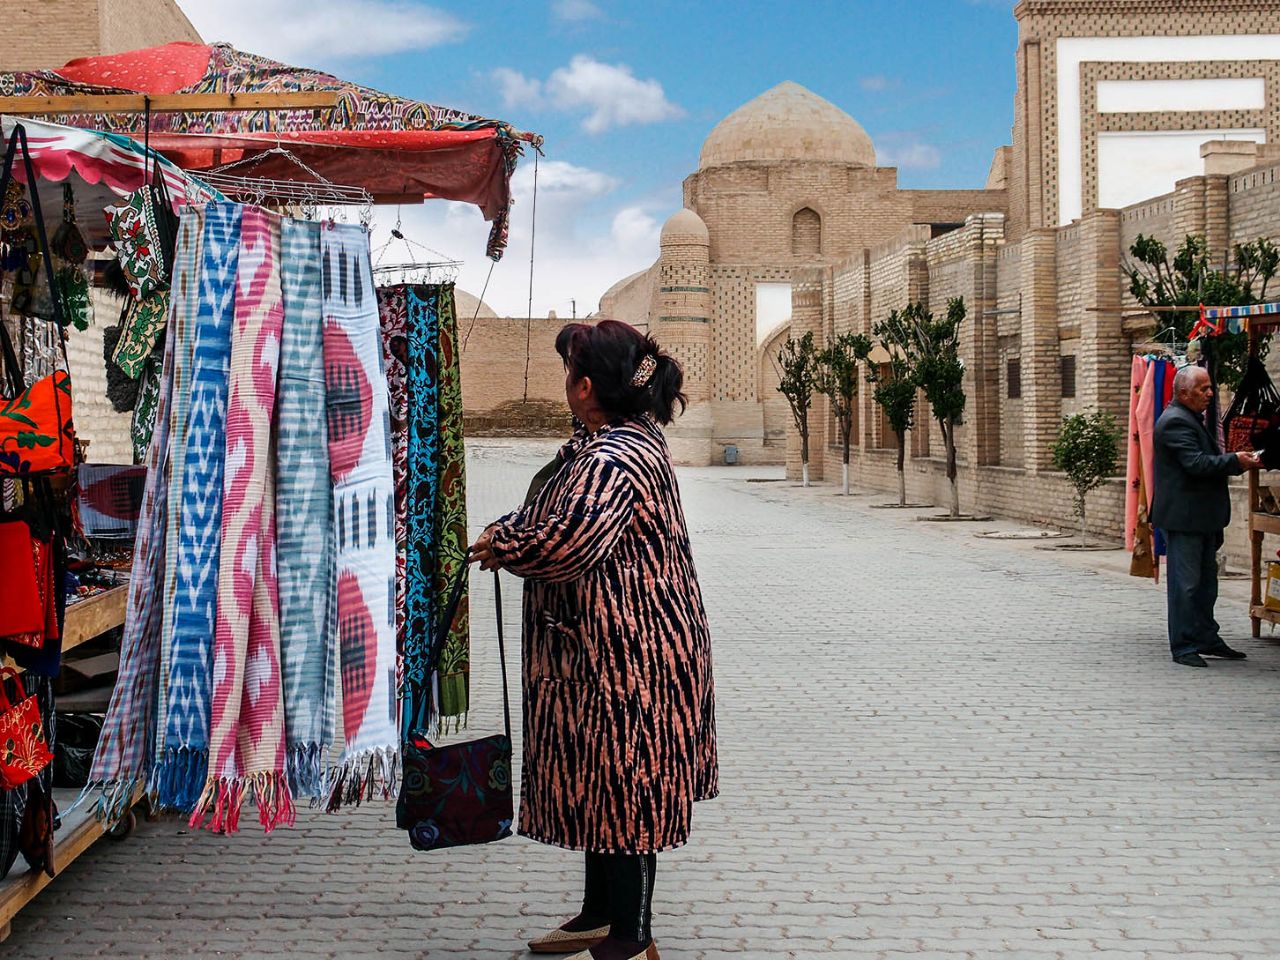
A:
[(907, 152), (576, 11), (517, 90), (586, 241), (610, 94), (323, 30), (613, 94), (877, 83)]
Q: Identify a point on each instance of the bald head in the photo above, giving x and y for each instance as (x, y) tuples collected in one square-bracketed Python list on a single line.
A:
[(1192, 389)]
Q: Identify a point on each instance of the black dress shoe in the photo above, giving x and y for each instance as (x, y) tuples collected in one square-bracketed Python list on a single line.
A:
[(1190, 660), (1225, 652)]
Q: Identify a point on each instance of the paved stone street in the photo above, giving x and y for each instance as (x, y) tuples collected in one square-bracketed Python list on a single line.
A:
[(933, 746)]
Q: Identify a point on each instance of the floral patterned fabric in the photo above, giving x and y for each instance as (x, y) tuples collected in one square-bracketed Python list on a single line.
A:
[(136, 234), (141, 330)]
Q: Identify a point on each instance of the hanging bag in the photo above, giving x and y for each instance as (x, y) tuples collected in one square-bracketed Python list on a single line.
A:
[(459, 794), (144, 231), (24, 751), (1256, 408), (36, 431)]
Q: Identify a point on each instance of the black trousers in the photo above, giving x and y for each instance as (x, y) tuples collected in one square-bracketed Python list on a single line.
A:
[(619, 888), (1192, 578)]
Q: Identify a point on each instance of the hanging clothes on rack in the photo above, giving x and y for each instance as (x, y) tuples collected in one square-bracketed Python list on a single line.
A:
[(431, 469), (229, 675), (247, 735), (364, 516), (304, 511)]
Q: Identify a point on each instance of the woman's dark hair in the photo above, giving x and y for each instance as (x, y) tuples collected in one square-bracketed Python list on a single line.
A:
[(615, 355)]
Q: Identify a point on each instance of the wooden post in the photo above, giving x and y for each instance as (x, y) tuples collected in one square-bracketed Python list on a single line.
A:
[(167, 103)]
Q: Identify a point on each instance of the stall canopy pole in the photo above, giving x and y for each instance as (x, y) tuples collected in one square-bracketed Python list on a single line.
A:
[(528, 321)]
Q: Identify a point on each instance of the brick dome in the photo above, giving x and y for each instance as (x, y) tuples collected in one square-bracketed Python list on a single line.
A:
[(685, 226), (788, 123)]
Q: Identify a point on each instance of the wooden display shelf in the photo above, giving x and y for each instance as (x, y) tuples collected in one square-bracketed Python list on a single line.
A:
[(1266, 522), (79, 831), (93, 617)]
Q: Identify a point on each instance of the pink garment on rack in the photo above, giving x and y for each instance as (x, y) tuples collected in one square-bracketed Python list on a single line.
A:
[(1146, 413), (1134, 447)]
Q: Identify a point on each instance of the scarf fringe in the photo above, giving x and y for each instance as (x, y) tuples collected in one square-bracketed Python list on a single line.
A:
[(178, 778), (223, 798), (365, 776), (304, 763), (115, 799)]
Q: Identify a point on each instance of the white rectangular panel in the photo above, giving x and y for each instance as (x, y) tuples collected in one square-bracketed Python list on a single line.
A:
[(773, 308), (1133, 167), (1074, 51), (1154, 96)]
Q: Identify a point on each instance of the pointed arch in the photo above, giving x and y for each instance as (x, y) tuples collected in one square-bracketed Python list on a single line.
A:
[(806, 232)]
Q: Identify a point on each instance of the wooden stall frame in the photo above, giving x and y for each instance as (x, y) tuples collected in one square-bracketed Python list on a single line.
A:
[(1260, 523)]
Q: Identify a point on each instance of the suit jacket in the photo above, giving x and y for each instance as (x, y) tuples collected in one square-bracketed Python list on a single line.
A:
[(1191, 475)]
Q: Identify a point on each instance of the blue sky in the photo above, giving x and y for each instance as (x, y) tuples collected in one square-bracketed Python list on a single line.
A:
[(625, 93)]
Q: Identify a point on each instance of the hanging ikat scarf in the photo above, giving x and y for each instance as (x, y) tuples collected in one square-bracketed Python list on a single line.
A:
[(197, 416), (304, 508), (126, 744), (364, 525), (246, 739)]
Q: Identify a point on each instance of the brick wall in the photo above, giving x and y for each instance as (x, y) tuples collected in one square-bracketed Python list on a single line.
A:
[(106, 431), (45, 34), (493, 362), (1254, 198)]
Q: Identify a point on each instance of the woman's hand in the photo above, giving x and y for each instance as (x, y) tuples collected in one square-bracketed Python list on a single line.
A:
[(482, 550)]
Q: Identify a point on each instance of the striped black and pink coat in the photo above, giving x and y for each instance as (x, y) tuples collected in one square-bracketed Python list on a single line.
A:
[(619, 704)]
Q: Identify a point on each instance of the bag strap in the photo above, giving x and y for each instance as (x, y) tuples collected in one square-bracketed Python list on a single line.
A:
[(20, 692), (19, 136), (450, 613)]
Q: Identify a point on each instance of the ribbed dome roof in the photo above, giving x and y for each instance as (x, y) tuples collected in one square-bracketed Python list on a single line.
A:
[(788, 123), (685, 225)]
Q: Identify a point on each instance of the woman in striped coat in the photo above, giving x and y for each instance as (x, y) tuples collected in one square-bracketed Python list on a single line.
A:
[(619, 706)]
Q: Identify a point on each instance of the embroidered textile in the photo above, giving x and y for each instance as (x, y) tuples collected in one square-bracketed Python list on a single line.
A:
[(145, 405), (304, 507), (392, 318), (141, 329), (451, 511), (247, 739), (363, 495), (422, 486)]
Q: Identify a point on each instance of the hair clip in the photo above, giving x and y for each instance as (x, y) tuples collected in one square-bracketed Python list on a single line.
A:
[(644, 370)]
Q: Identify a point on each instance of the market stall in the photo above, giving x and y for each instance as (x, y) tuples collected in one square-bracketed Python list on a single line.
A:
[(237, 288), (62, 180)]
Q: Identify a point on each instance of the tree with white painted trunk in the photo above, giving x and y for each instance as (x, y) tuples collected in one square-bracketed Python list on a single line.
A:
[(895, 388), (935, 346), (797, 363), (837, 380)]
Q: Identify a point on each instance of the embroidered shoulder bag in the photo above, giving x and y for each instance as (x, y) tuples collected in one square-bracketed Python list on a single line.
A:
[(24, 750), (36, 431), (459, 794)]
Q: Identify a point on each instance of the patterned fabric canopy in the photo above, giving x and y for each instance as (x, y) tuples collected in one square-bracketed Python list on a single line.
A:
[(101, 167), (397, 149)]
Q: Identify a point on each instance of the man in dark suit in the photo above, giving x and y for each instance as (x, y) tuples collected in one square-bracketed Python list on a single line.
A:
[(1192, 508)]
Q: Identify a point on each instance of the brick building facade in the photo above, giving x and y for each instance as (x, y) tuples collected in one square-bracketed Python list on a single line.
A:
[(1171, 106)]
